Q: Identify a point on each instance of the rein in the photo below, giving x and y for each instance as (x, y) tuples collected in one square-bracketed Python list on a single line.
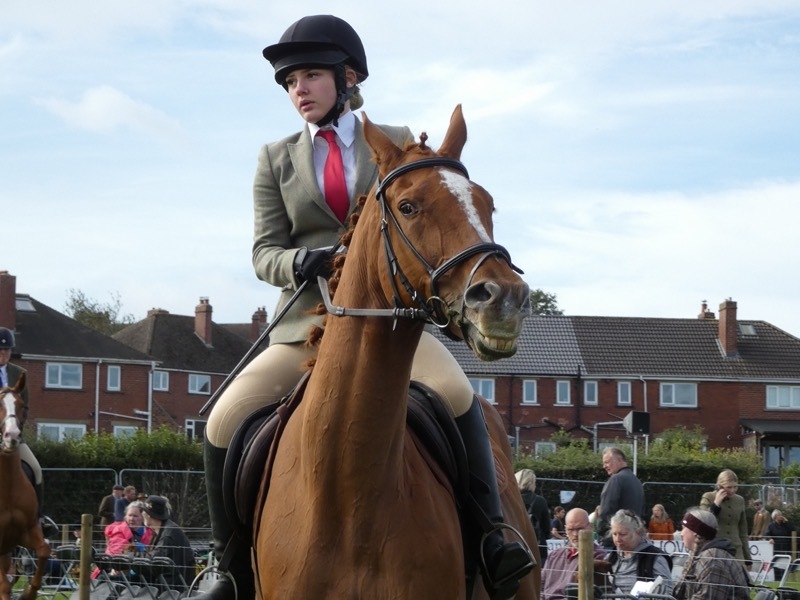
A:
[(433, 308)]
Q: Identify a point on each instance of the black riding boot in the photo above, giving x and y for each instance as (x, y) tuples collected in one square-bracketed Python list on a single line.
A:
[(505, 563), (232, 553), (49, 529)]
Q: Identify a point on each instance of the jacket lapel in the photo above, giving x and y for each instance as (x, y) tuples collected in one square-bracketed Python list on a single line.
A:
[(302, 156), (366, 169)]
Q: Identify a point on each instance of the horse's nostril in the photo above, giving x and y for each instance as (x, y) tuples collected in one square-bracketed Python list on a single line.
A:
[(481, 293)]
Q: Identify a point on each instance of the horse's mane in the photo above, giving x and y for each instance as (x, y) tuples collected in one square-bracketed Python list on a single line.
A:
[(316, 332)]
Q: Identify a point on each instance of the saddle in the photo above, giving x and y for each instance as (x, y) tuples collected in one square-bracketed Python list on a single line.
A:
[(248, 465)]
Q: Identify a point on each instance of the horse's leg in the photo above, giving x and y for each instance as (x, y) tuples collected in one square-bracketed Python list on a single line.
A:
[(5, 584), (42, 549)]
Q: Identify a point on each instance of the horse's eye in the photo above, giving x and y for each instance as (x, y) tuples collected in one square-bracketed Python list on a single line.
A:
[(408, 209)]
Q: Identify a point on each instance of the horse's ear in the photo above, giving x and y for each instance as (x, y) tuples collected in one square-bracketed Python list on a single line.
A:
[(456, 135), (384, 151), (20, 385)]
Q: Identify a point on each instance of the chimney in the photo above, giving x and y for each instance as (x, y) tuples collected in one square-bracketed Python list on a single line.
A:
[(156, 311), (258, 323), (8, 300), (704, 312), (202, 321), (728, 328)]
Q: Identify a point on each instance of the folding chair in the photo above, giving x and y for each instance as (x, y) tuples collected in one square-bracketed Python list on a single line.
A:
[(121, 565), (792, 567), (161, 571), (104, 587), (67, 557), (23, 564), (782, 561)]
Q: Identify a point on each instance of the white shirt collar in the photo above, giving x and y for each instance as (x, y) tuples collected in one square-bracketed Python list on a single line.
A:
[(346, 129)]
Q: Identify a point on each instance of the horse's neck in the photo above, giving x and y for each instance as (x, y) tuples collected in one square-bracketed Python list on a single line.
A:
[(356, 399)]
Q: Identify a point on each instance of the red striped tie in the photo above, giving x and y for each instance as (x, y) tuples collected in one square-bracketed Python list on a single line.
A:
[(333, 177)]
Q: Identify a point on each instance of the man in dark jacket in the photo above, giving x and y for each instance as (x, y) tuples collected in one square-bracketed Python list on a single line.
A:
[(106, 510), (622, 491)]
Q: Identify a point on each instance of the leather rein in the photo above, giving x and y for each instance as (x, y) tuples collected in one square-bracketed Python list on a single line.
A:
[(432, 309)]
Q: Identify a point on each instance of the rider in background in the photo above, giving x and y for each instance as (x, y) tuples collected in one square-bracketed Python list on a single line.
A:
[(320, 62), (9, 375)]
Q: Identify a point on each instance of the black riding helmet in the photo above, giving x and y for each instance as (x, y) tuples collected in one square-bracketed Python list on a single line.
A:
[(320, 41), (6, 338)]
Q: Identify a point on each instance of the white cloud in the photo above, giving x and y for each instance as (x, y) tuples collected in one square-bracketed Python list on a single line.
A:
[(105, 110), (661, 254)]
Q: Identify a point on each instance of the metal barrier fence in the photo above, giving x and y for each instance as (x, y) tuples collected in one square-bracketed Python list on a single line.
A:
[(72, 492), (69, 493)]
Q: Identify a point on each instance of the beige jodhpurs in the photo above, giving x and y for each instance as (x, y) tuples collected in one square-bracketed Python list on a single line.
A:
[(28, 458), (273, 373)]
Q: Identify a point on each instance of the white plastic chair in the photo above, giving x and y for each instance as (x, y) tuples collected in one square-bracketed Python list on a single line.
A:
[(792, 567), (782, 561)]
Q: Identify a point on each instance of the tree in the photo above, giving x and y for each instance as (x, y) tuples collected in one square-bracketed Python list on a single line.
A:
[(543, 303), (104, 318)]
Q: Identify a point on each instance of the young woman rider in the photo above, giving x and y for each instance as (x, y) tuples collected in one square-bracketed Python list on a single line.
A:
[(320, 61)]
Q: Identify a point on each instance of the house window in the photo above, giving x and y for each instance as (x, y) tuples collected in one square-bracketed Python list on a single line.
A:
[(679, 394), (199, 384), (483, 387), (783, 396), (542, 448), (64, 375), (590, 393), (125, 430), (529, 392), (562, 392), (114, 378), (624, 393), (160, 381), (58, 432), (194, 429)]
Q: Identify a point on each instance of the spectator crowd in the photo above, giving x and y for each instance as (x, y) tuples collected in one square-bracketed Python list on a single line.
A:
[(626, 541)]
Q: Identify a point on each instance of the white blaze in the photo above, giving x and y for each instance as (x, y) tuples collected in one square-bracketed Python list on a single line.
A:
[(12, 428), (461, 188)]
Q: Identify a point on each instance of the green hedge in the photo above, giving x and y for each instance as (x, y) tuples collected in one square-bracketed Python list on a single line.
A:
[(164, 449), (80, 472)]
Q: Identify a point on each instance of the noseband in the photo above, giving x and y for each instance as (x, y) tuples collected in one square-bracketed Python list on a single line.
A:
[(432, 309)]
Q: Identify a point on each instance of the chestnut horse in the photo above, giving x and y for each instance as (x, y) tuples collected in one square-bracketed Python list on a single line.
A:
[(19, 523), (354, 510)]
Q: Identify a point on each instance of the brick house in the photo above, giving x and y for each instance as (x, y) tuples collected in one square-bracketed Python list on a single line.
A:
[(78, 379), (160, 370), (739, 380), (194, 357)]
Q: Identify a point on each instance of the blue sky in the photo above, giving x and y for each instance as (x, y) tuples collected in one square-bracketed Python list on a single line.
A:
[(644, 156)]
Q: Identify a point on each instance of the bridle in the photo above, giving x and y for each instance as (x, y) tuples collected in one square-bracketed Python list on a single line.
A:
[(432, 309)]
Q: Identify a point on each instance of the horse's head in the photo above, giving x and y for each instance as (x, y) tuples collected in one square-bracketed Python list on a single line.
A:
[(438, 242), (11, 415)]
